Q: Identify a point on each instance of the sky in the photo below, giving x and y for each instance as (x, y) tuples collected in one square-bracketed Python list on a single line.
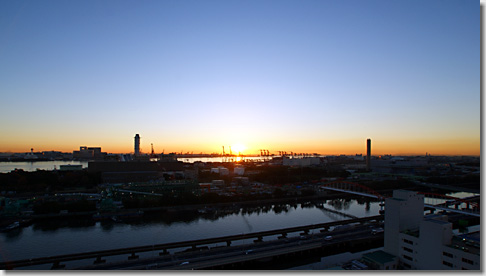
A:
[(304, 76)]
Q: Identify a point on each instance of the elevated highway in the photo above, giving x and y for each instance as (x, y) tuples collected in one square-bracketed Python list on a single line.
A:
[(247, 256), (58, 262)]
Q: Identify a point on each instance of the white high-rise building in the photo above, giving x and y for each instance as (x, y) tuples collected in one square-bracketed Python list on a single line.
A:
[(403, 211), (426, 243)]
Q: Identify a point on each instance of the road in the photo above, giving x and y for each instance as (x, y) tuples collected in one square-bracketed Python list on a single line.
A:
[(217, 256)]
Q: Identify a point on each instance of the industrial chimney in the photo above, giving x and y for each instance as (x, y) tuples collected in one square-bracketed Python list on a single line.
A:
[(137, 145), (368, 155)]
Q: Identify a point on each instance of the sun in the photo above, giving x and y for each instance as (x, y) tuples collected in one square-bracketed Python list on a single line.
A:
[(237, 148)]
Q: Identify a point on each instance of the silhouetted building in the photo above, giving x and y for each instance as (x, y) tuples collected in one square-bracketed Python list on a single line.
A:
[(54, 155), (139, 171), (301, 162), (137, 145), (171, 157), (71, 167), (400, 165), (89, 153)]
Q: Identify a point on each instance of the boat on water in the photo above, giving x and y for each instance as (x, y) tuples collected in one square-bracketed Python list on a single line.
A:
[(12, 226)]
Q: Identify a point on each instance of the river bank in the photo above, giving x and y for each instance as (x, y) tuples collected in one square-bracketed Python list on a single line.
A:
[(204, 207)]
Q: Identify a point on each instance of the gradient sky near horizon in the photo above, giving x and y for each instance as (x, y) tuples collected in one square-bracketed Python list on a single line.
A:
[(304, 76)]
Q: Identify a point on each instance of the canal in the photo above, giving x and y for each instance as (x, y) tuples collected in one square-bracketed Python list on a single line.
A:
[(76, 235)]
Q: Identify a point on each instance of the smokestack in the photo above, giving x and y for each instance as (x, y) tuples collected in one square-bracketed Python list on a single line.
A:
[(137, 145), (368, 155)]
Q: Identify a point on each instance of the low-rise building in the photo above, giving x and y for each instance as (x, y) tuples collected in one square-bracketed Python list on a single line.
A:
[(89, 153), (137, 171), (380, 260), (71, 167), (301, 162), (239, 170)]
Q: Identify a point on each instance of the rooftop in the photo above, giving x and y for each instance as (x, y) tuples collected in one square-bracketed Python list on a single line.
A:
[(379, 256), (474, 236), (467, 242), (437, 221)]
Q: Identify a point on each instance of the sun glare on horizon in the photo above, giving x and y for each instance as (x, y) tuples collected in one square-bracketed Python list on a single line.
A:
[(238, 148)]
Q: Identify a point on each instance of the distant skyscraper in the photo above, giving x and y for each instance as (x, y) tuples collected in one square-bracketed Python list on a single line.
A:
[(368, 155), (137, 144)]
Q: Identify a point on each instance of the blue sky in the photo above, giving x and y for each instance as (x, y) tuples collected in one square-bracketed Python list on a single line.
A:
[(310, 76)]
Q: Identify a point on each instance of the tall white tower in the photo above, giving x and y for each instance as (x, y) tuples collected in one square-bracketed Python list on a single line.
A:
[(403, 211), (137, 145)]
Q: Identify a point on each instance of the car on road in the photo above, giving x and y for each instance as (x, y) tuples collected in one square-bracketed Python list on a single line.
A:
[(377, 231), (328, 238)]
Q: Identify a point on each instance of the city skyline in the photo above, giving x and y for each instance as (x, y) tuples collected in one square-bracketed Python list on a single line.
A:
[(240, 149), (312, 76)]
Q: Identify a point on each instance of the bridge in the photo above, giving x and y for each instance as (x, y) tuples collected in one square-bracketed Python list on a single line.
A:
[(467, 206), (132, 251), (447, 187), (138, 192)]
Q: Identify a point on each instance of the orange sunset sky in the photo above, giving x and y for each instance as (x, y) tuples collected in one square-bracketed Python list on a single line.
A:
[(193, 76)]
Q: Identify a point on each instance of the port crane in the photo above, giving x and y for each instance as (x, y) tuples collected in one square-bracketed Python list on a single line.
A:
[(152, 154)]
